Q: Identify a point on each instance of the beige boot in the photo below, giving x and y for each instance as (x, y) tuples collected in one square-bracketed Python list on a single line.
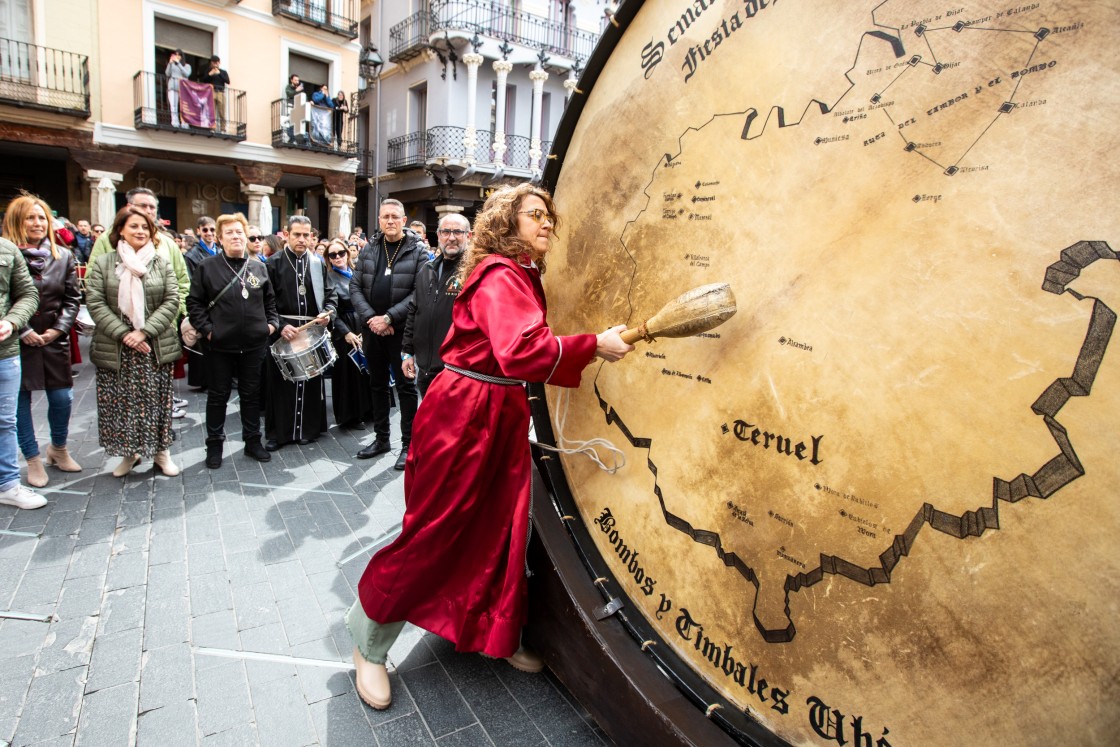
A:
[(60, 457), (163, 461), (36, 472), (373, 682), (126, 465)]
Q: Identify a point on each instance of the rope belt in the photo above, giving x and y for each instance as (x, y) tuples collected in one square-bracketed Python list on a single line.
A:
[(483, 377)]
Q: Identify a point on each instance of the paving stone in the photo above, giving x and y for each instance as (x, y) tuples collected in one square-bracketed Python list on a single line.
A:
[(122, 609), (472, 736), (238, 736), (166, 676), (205, 557), (52, 706), (407, 731), (254, 605), (62, 523), (438, 700), (223, 697), (90, 560), (321, 683), (340, 721), (116, 659), (132, 538), (108, 717), (126, 570), (169, 547), (39, 586), (289, 580), (169, 726), (16, 673), (68, 644), (202, 528), (302, 620), (209, 593), (239, 537), (216, 630), (53, 551), (81, 597), (282, 714), (24, 637), (245, 569), (560, 723)]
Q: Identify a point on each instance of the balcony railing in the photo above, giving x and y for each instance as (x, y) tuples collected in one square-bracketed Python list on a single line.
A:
[(408, 38), (42, 78), (495, 18), (366, 165), (314, 128), (336, 16), (152, 109), (416, 149)]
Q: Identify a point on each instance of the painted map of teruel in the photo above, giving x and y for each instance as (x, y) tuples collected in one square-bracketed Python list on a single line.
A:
[(906, 423)]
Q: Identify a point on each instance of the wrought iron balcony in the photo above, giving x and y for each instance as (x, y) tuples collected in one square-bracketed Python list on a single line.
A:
[(152, 109), (336, 16), (417, 149), (408, 38), (43, 78), (366, 168), (314, 128), (496, 18)]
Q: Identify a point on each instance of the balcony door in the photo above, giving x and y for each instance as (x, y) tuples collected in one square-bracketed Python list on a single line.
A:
[(16, 64)]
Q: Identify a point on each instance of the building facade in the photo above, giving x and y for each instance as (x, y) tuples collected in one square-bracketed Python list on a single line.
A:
[(86, 112), (462, 96)]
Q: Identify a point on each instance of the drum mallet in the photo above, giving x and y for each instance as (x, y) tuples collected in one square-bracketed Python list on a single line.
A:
[(691, 313)]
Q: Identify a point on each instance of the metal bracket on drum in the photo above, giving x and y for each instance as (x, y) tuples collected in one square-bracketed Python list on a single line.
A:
[(608, 609)]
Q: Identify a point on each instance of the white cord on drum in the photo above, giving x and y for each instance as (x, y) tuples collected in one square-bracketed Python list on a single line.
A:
[(587, 448)]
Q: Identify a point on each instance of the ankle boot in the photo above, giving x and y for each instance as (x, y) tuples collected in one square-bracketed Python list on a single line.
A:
[(126, 465), (162, 460), (214, 455), (254, 450), (36, 473), (60, 457)]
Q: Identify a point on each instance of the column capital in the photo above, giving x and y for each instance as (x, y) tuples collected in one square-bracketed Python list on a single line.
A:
[(96, 175), (570, 85), (538, 76), (442, 210), (337, 200), (472, 59), (502, 66), (257, 189)]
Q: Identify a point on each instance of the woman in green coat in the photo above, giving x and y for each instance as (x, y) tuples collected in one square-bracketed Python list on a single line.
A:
[(133, 296)]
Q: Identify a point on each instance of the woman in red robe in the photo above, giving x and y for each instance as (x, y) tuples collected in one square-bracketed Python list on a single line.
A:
[(458, 567)]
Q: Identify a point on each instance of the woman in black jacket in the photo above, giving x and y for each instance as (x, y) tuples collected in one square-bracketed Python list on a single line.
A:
[(233, 306), (45, 341), (351, 397)]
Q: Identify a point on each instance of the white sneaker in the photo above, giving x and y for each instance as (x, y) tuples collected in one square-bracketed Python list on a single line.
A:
[(178, 402), (22, 497), (178, 413)]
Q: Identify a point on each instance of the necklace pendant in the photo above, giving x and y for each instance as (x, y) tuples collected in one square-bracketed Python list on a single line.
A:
[(244, 292), (303, 290), (388, 272)]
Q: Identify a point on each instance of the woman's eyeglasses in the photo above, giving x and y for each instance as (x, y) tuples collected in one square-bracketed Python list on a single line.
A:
[(540, 216), (333, 255)]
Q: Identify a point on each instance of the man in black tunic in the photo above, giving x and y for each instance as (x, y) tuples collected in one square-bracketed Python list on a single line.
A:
[(297, 411), (381, 289)]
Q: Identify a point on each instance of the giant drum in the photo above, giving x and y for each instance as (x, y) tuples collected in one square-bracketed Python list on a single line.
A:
[(878, 505)]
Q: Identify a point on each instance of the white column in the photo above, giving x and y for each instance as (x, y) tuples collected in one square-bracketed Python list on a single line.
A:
[(341, 207), (470, 138), (502, 68), (538, 77), (255, 193), (102, 196)]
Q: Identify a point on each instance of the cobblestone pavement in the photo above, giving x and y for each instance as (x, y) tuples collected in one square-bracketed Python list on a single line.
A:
[(208, 608)]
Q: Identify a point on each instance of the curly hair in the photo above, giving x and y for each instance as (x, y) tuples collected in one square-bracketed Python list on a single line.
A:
[(17, 212), (495, 228)]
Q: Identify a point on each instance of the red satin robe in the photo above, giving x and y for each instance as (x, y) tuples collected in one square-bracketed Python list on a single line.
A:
[(458, 567)]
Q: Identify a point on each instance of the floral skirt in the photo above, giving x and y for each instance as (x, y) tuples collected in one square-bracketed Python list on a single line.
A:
[(134, 405)]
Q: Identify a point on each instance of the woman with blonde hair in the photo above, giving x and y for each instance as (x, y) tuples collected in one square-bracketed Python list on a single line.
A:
[(45, 341), (133, 296), (458, 567)]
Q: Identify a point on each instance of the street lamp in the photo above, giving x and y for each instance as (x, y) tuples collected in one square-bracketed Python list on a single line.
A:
[(370, 62)]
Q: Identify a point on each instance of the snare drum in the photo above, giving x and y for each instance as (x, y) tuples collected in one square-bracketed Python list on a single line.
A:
[(306, 355)]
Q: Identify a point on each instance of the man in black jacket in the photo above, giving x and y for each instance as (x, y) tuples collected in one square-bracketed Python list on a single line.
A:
[(381, 290), (429, 314)]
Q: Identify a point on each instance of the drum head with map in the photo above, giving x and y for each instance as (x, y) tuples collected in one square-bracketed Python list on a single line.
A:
[(878, 505)]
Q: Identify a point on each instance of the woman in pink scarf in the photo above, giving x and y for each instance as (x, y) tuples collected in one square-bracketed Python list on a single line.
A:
[(133, 296)]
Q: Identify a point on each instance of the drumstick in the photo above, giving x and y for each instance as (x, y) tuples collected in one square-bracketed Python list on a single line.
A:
[(691, 313), (306, 325)]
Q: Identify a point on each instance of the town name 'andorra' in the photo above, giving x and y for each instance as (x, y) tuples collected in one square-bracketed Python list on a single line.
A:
[(653, 53)]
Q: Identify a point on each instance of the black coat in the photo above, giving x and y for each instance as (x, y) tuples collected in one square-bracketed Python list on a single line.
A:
[(235, 323), (371, 263), (429, 314), (49, 367)]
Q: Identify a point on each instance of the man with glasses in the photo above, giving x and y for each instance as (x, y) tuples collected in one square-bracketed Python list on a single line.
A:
[(146, 200), (429, 314), (205, 247), (381, 289)]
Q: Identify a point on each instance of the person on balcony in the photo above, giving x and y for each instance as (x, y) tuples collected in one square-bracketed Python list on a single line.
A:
[(293, 89), (175, 71), (341, 109), (219, 79)]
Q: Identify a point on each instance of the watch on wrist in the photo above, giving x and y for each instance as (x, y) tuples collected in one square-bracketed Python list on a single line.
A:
[(405, 356)]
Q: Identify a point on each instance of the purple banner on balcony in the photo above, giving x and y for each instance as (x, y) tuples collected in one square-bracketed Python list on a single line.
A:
[(196, 103)]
